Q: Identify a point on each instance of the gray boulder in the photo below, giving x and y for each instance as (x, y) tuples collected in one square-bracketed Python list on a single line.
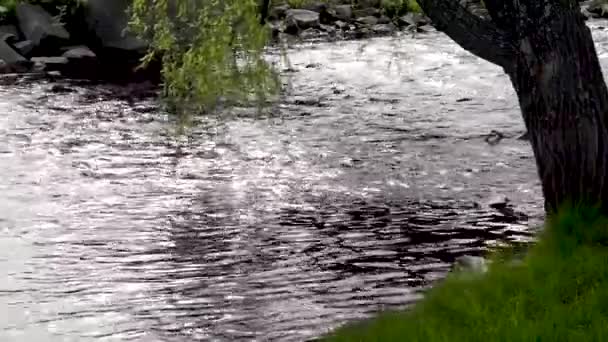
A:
[(38, 26), (369, 20), (9, 33), (384, 28), (278, 12), (598, 8), (24, 47), (471, 264), (50, 63), (415, 19), (343, 12), (108, 20), (10, 60), (366, 12), (300, 19), (82, 63), (79, 52)]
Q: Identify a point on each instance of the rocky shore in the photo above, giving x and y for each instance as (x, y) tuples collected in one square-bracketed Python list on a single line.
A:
[(94, 45)]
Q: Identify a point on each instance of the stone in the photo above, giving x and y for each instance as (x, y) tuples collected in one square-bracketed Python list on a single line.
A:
[(299, 19), (278, 12), (24, 47), (341, 25), (315, 6), (369, 3), (50, 63), (598, 8), (82, 63), (9, 33), (415, 19), (331, 31), (38, 26), (108, 20), (471, 264), (343, 12), (312, 33), (369, 20), (366, 12), (79, 52), (9, 56), (498, 202), (384, 28), (384, 20)]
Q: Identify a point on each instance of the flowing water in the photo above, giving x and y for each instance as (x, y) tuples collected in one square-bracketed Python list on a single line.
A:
[(354, 194)]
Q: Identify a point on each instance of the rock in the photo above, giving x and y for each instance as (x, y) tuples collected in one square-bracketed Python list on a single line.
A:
[(369, 20), (366, 12), (108, 20), (9, 33), (51, 63), (471, 264), (278, 12), (384, 20), (11, 60), (415, 19), (82, 64), (299, 19), (598, 8), (343, 12), (79, 52), (341, 25), (60, 89), (369, 3), (362, 33), (311, 33), (318, 7), (498, 202), (331, 31), (24, 47), (38, 26), (384, 28)]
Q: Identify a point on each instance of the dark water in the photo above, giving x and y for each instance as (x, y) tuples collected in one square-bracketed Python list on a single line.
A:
[(354, 195)]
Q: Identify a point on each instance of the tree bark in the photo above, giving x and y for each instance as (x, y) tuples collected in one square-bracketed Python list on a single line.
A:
[(264, 8), (548, 52)]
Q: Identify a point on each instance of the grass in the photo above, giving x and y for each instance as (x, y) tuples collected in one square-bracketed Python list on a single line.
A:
[(558, 293)]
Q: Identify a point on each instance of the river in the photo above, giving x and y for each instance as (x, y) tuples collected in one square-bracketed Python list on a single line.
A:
[(353, 194)]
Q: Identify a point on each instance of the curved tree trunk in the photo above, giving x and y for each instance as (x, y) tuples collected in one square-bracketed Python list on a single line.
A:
[(548, 52)]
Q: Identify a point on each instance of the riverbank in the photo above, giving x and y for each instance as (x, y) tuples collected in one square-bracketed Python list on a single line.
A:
[(87, 39), (557, 292)]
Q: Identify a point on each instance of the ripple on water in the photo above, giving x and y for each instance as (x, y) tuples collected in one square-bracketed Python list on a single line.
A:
[(277, 227)]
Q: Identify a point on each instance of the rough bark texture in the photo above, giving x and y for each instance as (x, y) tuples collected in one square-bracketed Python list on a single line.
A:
[(548, 52), (264, 8)]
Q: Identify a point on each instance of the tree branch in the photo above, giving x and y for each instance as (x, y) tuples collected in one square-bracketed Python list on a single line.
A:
[(480, 37)]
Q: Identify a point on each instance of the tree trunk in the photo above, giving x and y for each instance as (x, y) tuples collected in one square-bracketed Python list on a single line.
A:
[(547, 50), (264, 8)]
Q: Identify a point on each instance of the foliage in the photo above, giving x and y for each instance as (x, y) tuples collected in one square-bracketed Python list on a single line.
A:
[(395, 8), (211, 51), (558, 293)]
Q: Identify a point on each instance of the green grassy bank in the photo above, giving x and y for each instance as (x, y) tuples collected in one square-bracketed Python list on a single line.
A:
[(558, 293)]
